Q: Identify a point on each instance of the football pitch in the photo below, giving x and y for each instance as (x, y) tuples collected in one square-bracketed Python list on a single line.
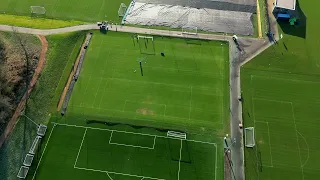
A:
[(97, 10), (280, 92), (130, 92), (285, 123), (78, 152)]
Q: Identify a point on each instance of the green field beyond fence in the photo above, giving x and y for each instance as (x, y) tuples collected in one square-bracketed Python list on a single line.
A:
[(130, 111), (280, 89), (96, 10)]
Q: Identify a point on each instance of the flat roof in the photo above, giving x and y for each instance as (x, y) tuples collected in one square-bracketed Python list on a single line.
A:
[(286, 4)]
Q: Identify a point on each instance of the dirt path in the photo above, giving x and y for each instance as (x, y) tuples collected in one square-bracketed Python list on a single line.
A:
[(21, 105)]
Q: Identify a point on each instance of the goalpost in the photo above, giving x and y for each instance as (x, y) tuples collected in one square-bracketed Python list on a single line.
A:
[(146, 44), (145, 37), (249, 137), (178, 135), (189, 30), (37, 10), (122, 10)]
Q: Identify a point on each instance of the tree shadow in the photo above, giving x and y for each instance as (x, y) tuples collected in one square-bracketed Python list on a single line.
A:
[(299, 29)]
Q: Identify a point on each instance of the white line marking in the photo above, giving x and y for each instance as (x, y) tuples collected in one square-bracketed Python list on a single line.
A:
[(253, 114), (190, 103), (173, 117), (215, 171), (103, 93), (186, 70), (166, 84), (295, 125), (44, 150), (307, 148), (124, 174), (267, 77), (128, 132), (84, 135), (180, 159), (110, 137), (273, 100), (85, 90), (154, 141), (129, 145), (270, 144), (95, 96), (109, 176), (269, 141), (165, 109), (124, 106)]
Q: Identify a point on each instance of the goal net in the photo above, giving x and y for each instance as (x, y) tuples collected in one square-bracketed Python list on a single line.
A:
[(249, 137), (28, 160), (23, 171), (189, 30), (37, 10), (146, 45), (122, 10), (178, 135)]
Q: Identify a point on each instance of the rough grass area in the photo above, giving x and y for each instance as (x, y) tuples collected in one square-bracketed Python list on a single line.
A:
[(60, 55), (15, 148), (280, 91), (186, 90), (97, 10), (37, 23)]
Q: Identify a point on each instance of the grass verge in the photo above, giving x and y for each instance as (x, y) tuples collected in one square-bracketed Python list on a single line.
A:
[(62, 50), (37, 23)]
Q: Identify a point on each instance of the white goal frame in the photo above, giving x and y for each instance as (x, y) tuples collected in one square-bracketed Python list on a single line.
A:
[(249, 142), (178, 135), (190, 31), (144, 37), (40, 10), (122, 10)]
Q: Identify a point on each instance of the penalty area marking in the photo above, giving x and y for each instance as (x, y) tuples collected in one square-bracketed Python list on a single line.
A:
[(269, 142), (84, 135), (117, 173)]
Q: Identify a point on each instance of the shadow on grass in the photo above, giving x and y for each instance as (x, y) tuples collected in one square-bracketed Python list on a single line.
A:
[(299, 29)]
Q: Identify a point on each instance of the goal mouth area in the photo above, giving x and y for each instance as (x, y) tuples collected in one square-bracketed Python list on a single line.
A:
[(190, 31), (249, 137)]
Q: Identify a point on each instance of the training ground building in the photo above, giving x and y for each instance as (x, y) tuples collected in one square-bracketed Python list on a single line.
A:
[(284, 9)]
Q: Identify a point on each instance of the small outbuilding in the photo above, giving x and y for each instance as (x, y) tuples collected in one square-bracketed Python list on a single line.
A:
[(284, 9)]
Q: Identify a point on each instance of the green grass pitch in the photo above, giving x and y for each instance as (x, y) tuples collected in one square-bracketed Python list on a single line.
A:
[(186, 90), (96, 10), (281, 100)]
